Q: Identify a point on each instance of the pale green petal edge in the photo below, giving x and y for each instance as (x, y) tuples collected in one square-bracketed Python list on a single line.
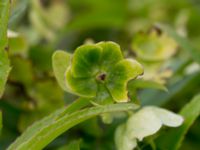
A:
[(117, 82), (61, 60)]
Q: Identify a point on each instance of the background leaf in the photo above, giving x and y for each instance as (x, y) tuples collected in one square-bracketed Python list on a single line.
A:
[(172, 139), (1, 124), (74, 145), (143, 84), (183, 43), (4, 62)]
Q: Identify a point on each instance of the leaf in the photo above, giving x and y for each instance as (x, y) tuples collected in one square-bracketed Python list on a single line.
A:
[(4, 62), (78, 104), (73, 145), (22, 71), (134, 84), (173, 138), (152, 97), (43, 63), (1, 125), (17, 44), (99, 14), (17, 12), (60, 62), (46, 130), (46, 103), (183, 42)]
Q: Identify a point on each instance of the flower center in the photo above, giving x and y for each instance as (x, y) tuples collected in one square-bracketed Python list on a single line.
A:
[(101, 77)]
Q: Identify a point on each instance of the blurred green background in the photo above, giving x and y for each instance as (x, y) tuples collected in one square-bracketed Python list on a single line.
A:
[(39, 27)]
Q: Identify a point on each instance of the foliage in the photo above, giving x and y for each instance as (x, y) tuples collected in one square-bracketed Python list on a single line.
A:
[(4, 62)]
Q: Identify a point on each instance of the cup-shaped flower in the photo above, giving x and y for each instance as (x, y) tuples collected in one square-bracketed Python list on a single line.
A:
[(154, 46), (99, 71)]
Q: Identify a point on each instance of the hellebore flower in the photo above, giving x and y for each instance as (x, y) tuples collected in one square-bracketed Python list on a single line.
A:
[(154, 49), (154, 46), (99, 71)]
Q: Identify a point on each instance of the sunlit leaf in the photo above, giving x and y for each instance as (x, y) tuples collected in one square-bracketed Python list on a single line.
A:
[(44, 131)]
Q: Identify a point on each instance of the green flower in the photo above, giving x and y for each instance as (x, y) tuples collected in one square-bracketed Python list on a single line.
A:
[(154, 46), (97, 71)]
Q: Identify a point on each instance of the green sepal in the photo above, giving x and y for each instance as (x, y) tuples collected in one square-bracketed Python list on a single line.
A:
[(60, 62), (111, 54), (86, 61), (85, 87), (119, 76)]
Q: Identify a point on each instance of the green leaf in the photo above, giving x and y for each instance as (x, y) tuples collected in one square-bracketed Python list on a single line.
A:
[(73, 145), (46, 130), (60, 62), (22, 71), (155, 97), (99, 14), (173, 138), (17, 12), (118, 77), (183, 42), (17, 43), (43, 18), (46, 103), (4, 62), (43, 63), (1, 124), (134, 84)]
